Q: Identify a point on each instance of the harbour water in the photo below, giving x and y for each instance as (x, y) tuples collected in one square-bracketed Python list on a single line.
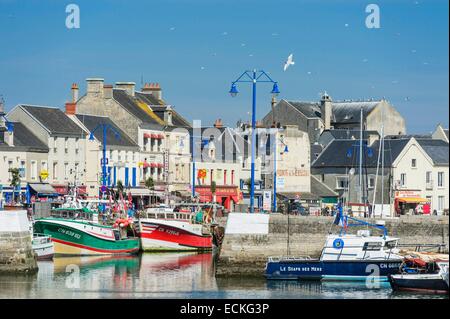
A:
[(170, 275)]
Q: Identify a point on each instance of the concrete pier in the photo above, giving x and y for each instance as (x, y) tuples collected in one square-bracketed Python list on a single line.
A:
[(16, 252), (248, 243)]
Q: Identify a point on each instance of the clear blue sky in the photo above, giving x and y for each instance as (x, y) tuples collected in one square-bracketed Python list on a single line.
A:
[(195, 48)]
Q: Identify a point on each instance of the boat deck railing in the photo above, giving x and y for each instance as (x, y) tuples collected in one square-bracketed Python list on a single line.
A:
[(167, 215), (424, 247), (41, 238)]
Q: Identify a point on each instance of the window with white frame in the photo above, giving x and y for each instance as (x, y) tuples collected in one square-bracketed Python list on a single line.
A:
[(77, 145), (402, 179), (341, 182), (22, 170), (414, 163), (44, 165), (441, 200), (66, 171), (10, 166), (428, 177), (66, 145), (371, 181), (55, 170), (440, 179), (33, 170), (55, 144)]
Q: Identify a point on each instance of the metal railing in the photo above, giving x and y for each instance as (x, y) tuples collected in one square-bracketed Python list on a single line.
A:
[(420, 247)]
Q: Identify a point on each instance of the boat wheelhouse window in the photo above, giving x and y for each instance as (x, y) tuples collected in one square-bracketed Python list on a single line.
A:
[(390, 244), (170, 215), (372, 246), (116, 234), (161, 215)]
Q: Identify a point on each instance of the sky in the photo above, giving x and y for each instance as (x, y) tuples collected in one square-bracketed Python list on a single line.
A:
[(195, 48)]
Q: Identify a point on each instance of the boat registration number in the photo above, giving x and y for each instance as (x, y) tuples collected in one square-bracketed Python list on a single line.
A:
[(69, 233)]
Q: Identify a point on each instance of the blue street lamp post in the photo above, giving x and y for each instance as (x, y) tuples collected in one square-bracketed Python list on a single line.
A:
[(253, 77), (104, 128)]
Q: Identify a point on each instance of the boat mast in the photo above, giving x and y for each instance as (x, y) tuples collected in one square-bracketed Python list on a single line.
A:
[(382, 163), (360, 157), (380, 152)]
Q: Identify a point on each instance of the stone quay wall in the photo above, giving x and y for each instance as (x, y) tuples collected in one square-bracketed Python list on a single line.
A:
[(16, 252), (245, 254)]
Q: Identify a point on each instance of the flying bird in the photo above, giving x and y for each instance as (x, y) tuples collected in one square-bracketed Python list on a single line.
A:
[(289, 61)]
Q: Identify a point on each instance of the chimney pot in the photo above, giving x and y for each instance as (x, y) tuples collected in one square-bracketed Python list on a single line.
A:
[(75, 91), (128, 86), (153, 89), (218, 123), (71, 108)]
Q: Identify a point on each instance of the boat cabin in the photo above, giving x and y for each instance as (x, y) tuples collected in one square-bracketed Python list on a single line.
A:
[(360, 246)]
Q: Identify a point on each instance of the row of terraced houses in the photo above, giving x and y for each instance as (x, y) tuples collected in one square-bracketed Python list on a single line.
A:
[(316, 147)]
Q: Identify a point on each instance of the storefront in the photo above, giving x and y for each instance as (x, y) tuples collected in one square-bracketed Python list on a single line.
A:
[(226, 196), (9, 195), (410, 202), (41, 192)]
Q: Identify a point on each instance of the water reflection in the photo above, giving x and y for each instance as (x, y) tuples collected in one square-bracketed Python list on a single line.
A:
[(169, 275)]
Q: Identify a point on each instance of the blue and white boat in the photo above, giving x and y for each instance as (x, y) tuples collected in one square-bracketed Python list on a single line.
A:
[(344, 256)]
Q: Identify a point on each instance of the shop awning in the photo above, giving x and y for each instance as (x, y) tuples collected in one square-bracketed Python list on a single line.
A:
[(416, 200), (43, 189)]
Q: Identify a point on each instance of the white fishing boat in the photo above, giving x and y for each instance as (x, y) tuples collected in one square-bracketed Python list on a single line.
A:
[(344, 257), (43, 246)]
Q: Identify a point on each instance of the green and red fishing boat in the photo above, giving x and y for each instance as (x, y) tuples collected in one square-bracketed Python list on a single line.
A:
[(78, 232)]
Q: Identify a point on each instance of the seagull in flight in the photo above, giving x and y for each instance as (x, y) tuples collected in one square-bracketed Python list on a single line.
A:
[(289, 61)]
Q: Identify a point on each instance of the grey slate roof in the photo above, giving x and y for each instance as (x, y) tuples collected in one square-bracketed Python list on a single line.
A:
[(54, 119), (148, 99), (349, 112), (436, 149), (343, 112), (349, 134), (309, 109), (177, 119), (24, 140), (232, 144), (129, 103), (336, 154), (91, 122), (320, 189)]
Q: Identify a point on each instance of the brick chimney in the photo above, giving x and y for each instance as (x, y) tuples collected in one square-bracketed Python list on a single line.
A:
[(153, 89), (94, 87), (108, 91), (75, 91), (127, 86), (218, 123), (71, 108), (326, 110)]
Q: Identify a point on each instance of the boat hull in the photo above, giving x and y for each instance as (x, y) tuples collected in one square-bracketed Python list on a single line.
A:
[(332, 270), (72, 238), (419, 283), (44, 252), (159, 236)]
